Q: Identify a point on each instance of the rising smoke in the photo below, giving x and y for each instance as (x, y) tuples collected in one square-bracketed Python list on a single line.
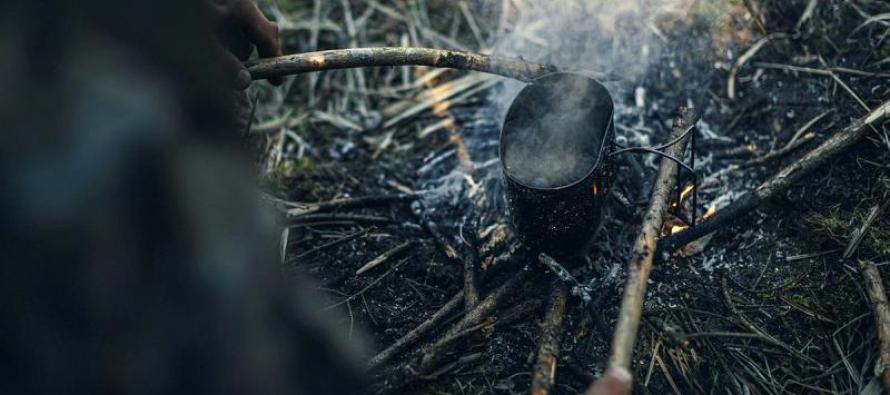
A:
[(617, 38), (582, 36)]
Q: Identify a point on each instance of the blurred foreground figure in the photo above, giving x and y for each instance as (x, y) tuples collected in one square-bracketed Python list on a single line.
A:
[(136, 259), (615, 381)]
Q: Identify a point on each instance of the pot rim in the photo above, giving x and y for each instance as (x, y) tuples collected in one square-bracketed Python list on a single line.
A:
[(600, 157)]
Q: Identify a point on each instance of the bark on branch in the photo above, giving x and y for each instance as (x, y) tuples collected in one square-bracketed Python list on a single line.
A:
[(396, 56), (780, 182), (426, 326), (644, 247), (874, 287)]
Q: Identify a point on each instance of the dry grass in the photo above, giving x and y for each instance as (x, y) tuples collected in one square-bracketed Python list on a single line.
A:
[(768, 307)]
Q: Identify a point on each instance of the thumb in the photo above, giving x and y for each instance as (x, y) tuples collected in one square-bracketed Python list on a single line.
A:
[(615, 381)]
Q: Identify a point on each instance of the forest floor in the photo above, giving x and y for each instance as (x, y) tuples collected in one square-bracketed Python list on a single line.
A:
[(767, 305)]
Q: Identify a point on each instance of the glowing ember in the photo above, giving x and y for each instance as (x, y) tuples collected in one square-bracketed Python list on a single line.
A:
[(686, 191), (440, 109), (710, 212), (677, 228)]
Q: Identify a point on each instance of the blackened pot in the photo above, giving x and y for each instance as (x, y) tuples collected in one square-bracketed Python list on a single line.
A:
[(554, 148)]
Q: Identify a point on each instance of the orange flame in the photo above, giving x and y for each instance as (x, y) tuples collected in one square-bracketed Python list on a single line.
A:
[(686, 191), (683, 195), (440, 109), (710, 212), (677, 228)]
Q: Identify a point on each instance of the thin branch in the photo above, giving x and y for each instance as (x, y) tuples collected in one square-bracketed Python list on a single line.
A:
[(384, 257), (471, 290), (439, 316), (342, 203), (874, 287), (395, 378), (779, 183), (343, 239), (328, 219), (730, 83), (436, 352), (644, 249), (823, 72), (409, 338)]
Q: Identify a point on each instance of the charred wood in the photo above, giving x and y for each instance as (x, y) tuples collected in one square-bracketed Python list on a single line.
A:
[(780, 182), (434, 354), (544, 371), (411, 337), (396, 56), (352, 203)]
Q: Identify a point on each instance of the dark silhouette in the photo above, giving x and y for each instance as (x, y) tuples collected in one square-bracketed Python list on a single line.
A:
[(136, 258)]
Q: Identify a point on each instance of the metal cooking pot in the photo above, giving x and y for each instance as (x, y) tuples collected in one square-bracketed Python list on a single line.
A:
[(554, 149)]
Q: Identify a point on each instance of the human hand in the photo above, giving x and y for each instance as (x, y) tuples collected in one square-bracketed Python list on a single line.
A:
[(615, 381), (241, 27)]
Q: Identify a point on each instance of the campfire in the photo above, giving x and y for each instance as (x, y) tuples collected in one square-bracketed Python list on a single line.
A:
[(582, 189)]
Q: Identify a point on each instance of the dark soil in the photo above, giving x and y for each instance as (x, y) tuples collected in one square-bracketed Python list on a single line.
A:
[(766, 306)]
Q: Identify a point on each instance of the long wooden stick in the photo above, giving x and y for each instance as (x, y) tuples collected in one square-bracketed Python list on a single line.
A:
[(779, 183), (396, 56), (644, 248), (874, 288)]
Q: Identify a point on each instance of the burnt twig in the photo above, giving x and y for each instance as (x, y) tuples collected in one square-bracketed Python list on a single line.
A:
[(644, 249), (471, 291), (384, 257), (874, 288), (357, 202), (730, 84), (438, 317), (551, 333), (780, 182), (507, 317), (563, 274), (773, 155), (437, 351), (326, 219), (398, 377), (331, 244), (858, 234), (418, 210)]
